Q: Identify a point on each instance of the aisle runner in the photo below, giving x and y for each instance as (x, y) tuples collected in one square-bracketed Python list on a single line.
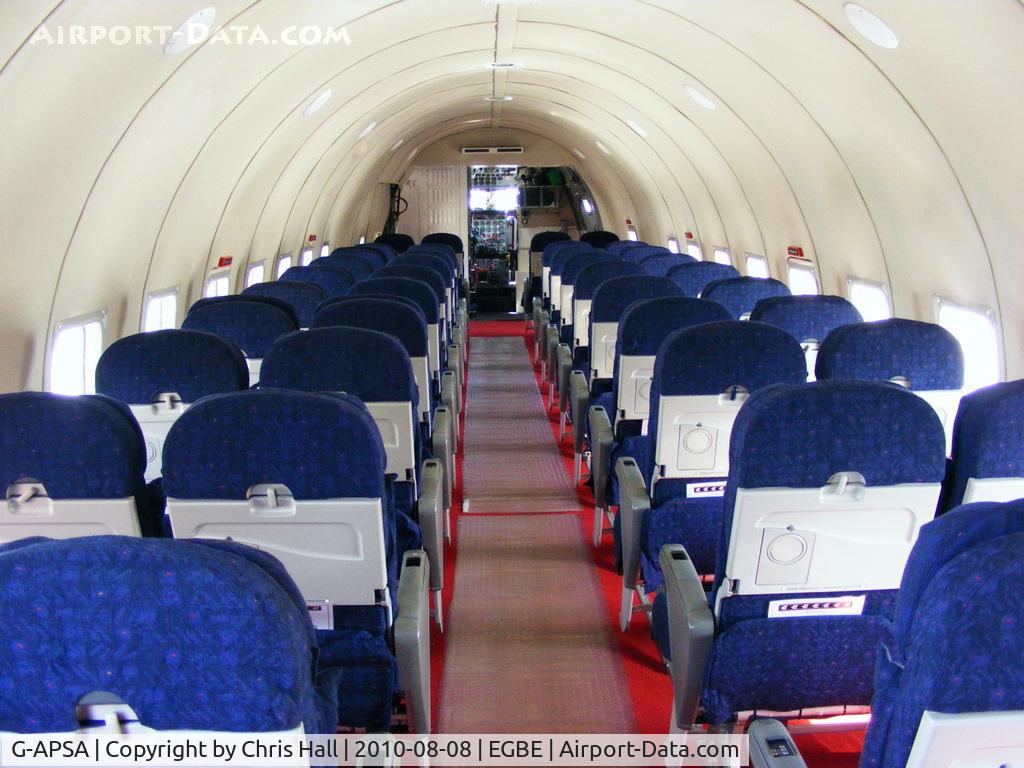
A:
[(511, 464)]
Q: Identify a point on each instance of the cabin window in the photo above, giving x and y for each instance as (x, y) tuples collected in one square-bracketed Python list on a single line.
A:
[(588, 207), (673, 245), (722, 256), (803, 279), (632, 234), (307, 256), (218, 284), (76, 350), (757, 266), (325, 249), (362, 240), (257, 273), (161, 311), (870, 298), (975, 329), (284, 263), (693, 248)]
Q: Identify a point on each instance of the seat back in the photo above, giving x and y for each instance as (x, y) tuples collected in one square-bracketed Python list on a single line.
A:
[(192, 637), (619, 246), (560, 253), (299, 475), (382, 249), (693, 277), (740, 294), (988, 454), (661, 263), (440, 250), (702, 376), (366, 364), (570, 271), (643, 252), (158, 374), (425, 299), (431, 278), (358, 264), (453, 241), (399, 242), (642, 329), (808, 319), (587, 282), (940, 686), (924, 357), (251, 322), (392, 315), (819, 520), (599, 238), (303, 298), (70, 467), (542, 240), (444, 268), (332, 279)]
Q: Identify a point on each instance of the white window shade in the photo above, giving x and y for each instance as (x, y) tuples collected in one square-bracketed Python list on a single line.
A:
[(871, 299), (803, 279), (722, 256), (257, 273), (76, 350), (975, 329), (284, 263), (161, 311), (757, 266)]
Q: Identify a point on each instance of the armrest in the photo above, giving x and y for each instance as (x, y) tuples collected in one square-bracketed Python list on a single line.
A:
[(538, 307), (579, 397), (458, 370), (450, 399), (412, 638), (601, 442), (441, 445), (430, 506), (633, 503), (691, 629), (552, 341), (772, 747), (562, 381)]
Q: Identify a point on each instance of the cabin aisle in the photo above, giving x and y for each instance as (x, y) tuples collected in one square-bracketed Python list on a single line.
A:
[(529, 647)]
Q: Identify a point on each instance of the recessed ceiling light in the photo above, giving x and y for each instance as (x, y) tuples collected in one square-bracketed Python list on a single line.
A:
[(195, 29), (871, 27), (578, 154), (497, 98), (366, 131), (637, 129), (700, 98), (504, 65), (397, 144), (318, 102), (602, 147)]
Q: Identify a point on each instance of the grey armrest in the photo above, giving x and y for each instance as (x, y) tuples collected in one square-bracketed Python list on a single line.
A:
[(551, 355), (601, 442), (412, 638), (633, 503), (691, 630), (431, 516), (564, 369), (579, 398), (538, 307), (450, 399), (455, 365), (540, 337), (441, 447), (771, 746), (459, 335)]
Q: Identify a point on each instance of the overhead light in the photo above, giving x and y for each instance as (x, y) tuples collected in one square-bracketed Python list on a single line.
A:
[(871, 27), (587, 206), (397, 144), (602, 147), (195, 29), (700, 98), (318, 102), (497, 98), (578, 154), (503, 65), (366, 131), (637, 129)]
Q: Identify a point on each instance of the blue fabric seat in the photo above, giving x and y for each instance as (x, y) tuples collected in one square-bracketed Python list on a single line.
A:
[(543, 239), (695, 276), (806, 318), (807, 439), (251, 322), (303, 298), (570, 270), (620, 246), (589, 279), (453, 241), (80, 449), (740, 294), (952, 649), (319, 446), (383, 250), (641, 253), (192, 635), (660, 264), (429, 277), (359, 264), (333, 280), (700, 360), (987, 445), (377, 254), (399, 242), (599, 238), (440, 250), (560, 254)]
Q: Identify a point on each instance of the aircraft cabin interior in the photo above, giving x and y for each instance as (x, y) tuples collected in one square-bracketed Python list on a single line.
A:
[(619, 369)]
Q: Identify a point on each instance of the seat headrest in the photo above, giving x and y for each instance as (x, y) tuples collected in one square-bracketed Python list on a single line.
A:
[(645, 324), (806, 318), (401, 243), (431, 260), (321, 446), (614, 296), (439, 250), (662, 263), (303, 298), (925, 354), (420, 274), (598, 272), (252, 322), (192, 637), (444, 238), (599, 238), (643, 252), (360, 266), (193, 364), (385, 250), (422, 294), (370, 365), (694, 277), (333, 280), (620, 246), (577, 263), (87, 447), (740, 294), (387, 314), (551, 250), (543, 239)]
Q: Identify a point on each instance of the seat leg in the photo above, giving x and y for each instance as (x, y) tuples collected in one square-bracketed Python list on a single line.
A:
[(626, 608), (577, 467), (439, 610), (598, 525)]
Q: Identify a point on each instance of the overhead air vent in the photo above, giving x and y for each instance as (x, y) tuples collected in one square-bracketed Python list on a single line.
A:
[(492, 150)]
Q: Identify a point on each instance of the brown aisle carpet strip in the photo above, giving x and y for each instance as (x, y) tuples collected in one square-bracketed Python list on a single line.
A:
[(529, 646), (511, 463)]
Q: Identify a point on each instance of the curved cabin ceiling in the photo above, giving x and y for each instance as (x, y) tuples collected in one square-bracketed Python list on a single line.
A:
[(127, 170)]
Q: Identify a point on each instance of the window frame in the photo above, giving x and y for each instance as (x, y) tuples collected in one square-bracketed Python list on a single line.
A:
[(214, 275), (993, 318), (277, 263), (632, 233), (806, 266), (155, 296), (714, 255), (311, 250), (261, 264), (692, 242), (672, 243), (748, 255), (325, 249), (852, 280), (78, 321)]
